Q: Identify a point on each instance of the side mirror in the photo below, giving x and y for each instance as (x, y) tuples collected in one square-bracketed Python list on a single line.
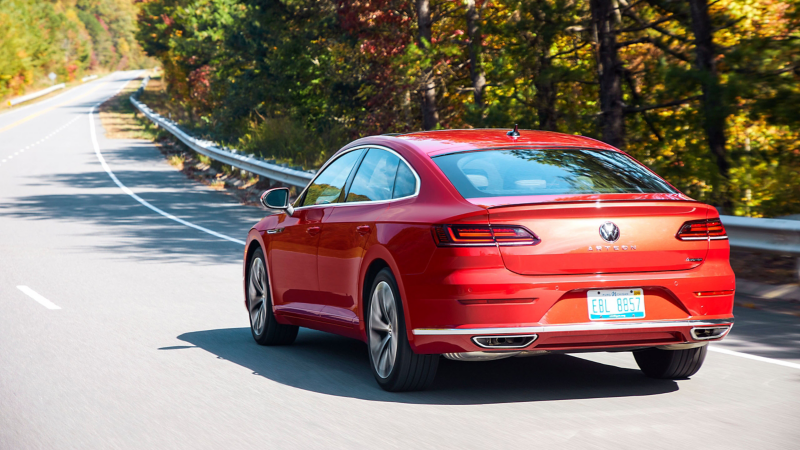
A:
[(277, 198)]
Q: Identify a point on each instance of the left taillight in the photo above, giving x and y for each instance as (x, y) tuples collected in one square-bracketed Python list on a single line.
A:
[(478, 235), (698, 230)]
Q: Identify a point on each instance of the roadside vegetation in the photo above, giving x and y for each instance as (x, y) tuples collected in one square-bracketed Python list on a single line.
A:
[(71, 38), (704, 92)]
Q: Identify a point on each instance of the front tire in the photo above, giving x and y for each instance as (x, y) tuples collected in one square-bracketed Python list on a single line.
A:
[(265, 328), (395, 366), (670, 364)]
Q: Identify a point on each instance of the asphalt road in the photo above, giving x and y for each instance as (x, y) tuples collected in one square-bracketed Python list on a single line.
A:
[(149, 347)]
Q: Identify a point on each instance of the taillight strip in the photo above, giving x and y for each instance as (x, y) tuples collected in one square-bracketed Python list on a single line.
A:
[(701, 230), (482, 235)]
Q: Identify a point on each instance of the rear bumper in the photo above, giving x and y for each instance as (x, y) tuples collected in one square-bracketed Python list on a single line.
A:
[(447, 308), (576, 336)]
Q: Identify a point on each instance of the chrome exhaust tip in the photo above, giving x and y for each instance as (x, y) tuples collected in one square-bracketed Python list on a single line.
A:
[(507, 341), (706, 333)]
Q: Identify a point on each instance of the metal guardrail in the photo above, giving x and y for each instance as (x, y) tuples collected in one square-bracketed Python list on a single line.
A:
[(87, 78), (37, 94), (766, 235), (227, 156)]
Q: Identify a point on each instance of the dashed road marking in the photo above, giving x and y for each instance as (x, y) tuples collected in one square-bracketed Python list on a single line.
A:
[(36, 296), (22, 150)]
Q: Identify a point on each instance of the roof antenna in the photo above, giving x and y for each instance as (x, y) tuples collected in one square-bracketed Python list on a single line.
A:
[(514, 132)]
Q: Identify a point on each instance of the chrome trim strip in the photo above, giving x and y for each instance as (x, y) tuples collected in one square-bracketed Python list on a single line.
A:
[(592, 326), (712, 238), (371, 202)]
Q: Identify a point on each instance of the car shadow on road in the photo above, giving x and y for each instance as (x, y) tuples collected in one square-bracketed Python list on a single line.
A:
[(334, 365)]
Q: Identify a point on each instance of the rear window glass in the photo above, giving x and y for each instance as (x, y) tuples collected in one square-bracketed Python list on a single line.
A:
[(501, 173)]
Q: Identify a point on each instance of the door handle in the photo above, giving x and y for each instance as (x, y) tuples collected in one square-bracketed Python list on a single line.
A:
[(363, 229), (313, 231)]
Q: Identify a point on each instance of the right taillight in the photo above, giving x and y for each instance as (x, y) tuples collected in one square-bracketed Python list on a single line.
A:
[(699, 230), (478, 235)]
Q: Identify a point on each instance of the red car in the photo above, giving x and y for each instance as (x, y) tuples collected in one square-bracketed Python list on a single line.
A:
[(487, 244)]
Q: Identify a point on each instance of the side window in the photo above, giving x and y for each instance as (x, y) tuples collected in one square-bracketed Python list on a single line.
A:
[(375, 177), (328, 185), (406, 183)]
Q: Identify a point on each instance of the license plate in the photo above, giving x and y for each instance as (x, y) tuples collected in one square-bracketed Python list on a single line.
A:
[(616, 304)]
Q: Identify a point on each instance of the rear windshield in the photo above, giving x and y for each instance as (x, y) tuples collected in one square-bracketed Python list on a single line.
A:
[(501, 173)]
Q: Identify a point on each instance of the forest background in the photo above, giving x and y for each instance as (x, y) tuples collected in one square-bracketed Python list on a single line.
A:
[(71, 38), (705, 92)]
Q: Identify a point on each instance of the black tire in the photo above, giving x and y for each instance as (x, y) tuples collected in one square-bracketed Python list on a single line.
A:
[(270, 332), (409, 371), (670, 364)]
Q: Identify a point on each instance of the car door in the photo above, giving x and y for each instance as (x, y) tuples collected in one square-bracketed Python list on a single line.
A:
[(346, 230), (293, 242)]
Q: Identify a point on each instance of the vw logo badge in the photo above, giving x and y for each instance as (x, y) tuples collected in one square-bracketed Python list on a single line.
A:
[(609, 232)]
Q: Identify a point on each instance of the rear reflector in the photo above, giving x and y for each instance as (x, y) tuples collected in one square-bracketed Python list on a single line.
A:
[(713, 293), (477, 235), (699, 230)]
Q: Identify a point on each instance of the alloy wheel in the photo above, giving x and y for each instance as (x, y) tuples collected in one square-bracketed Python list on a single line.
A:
[(383, 329), (257, 296)]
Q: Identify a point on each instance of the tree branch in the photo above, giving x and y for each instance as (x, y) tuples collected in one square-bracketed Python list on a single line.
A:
[(641, 40), (646, 25), (567, 52), (629, 110)]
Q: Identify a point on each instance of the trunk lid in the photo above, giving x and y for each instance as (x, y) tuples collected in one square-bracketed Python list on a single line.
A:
[(571, 241)]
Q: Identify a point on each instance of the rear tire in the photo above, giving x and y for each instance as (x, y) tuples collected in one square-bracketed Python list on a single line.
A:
[(670, 364), (395, 366), (265, 328)]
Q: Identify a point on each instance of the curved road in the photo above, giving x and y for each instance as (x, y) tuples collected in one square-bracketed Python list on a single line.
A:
[(123, 328)]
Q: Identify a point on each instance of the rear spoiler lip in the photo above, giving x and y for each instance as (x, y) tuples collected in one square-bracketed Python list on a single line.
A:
[(566, 202)]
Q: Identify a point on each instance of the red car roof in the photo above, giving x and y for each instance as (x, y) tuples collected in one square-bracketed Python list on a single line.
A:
[(447, 141)]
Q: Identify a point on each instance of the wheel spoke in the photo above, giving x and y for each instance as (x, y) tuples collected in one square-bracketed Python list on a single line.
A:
[(384, 362), (388, 303), (377, 322), (261, 316)]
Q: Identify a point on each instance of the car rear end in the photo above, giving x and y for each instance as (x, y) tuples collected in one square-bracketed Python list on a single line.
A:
[(573, 250)]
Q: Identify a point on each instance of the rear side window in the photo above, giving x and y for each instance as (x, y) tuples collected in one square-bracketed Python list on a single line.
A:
[(501, 173), (327, 187), (375, 177), (406, 183)]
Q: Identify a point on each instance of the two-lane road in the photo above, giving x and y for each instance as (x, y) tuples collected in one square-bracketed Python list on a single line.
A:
[(121, 327)]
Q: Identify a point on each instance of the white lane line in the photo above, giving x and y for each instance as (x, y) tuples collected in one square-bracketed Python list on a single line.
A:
[(35, 295), (141, 200), (754, 357)]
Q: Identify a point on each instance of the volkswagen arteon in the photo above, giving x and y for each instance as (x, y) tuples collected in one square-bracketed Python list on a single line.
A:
[(476, 245)]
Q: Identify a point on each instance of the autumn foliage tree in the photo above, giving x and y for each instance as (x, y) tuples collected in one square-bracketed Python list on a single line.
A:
[(703, 92)]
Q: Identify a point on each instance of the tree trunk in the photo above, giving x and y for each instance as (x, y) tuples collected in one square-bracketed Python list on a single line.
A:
[(475, 43), (610, 74), (545, 98), (713, 106), (430, 115)]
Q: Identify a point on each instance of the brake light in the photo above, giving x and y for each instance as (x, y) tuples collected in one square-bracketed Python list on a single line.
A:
[(477, 235), (698, 230)]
